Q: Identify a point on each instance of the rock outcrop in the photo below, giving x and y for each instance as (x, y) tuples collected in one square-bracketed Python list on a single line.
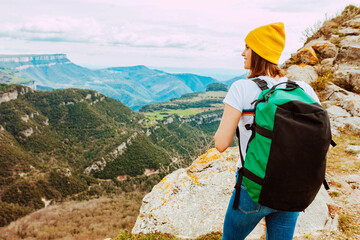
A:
[(324, 49), (12, 95), (193, 201), (21, 62), (334, 58), (101, 164), (343, 108), (303, 72), (307, 55)]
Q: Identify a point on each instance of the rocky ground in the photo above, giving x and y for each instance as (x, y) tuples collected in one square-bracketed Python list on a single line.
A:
[(330, 63)]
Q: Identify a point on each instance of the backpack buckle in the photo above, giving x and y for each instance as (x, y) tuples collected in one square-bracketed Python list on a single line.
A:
[(262, 84), (249, 126)]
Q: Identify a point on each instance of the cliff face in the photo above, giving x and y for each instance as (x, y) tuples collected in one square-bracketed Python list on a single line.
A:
[(13, 93), (28, 58), (330, 62), (21, 62)]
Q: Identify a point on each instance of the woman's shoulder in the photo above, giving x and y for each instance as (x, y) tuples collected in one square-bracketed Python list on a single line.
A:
[(245, 82), (304, 85), (308, 89)]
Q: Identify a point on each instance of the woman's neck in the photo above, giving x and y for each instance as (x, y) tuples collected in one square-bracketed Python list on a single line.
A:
[(277, 77)]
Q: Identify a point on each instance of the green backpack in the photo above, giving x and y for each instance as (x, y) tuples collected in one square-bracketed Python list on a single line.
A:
[(286, 155)]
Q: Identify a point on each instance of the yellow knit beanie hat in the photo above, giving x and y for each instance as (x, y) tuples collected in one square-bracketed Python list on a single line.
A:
[(267, 41)]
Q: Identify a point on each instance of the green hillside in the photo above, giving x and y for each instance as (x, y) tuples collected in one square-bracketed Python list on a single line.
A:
[(11, 76), (201, 110), (63, 143)]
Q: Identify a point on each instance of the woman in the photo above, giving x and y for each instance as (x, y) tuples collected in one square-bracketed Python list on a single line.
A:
[(262, 52)]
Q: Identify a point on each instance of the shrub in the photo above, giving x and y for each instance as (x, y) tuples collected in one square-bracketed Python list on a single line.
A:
[(329, 27), (10, 212), (24, 194), (325, 75), (217, 87), (125, 235), (346, 224), (66, 185), (350, 11)]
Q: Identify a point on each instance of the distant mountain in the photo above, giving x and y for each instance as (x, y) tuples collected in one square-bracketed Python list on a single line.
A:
[(134, 86), (141, 85), (231, 81), (61, 143), (220, 74)]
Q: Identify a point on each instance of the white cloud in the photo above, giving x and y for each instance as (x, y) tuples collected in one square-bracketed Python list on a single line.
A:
[(54, 29), (199, 33), (89, 30)]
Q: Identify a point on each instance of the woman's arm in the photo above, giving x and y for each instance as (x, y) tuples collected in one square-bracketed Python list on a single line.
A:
[(225, 133)]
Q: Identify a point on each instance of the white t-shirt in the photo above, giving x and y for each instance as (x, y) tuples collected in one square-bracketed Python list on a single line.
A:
[(245, 91)]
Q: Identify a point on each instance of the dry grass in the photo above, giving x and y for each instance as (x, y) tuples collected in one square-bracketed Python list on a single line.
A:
[(124, 235), (325, 75), (341, 164), (92, 220), (330, 26), (340, 161)]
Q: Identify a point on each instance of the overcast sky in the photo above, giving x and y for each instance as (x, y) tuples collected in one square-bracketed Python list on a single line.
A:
[(168, 33)]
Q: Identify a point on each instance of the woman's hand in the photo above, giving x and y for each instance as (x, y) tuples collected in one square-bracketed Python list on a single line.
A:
[(225, 133)]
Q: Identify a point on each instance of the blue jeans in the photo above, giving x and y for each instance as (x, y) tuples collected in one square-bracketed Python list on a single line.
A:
[(239, 223)]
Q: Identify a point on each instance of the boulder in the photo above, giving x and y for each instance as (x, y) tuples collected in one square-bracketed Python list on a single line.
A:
[(344, 99), (354, 149), (8, 96), (192, 202), (349, 50), (349, 31), (354, 180), (346, 113), (351, 74), (328, 63), (350, 41), (304, 73), (354, 23), (325, 49), (354, 198), (348, 53), (353, 123), (307, 55), (336, 112)]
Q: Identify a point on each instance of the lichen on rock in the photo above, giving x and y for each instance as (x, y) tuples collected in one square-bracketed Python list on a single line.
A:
[(307, 55), (192, 202)]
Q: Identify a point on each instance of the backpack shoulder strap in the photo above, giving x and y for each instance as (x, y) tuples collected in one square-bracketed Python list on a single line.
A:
[(262, 84), (291, 84)]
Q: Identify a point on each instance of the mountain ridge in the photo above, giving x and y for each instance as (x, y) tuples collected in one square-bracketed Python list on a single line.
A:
[(135, 86)]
